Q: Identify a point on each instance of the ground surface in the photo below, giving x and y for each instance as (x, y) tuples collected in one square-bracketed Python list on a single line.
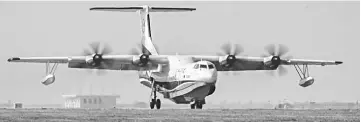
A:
[(171, 115)]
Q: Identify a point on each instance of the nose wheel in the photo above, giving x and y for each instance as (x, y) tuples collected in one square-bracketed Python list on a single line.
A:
[(197, 105)]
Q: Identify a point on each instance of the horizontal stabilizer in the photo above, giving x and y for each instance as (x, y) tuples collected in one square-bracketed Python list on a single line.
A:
[(135, 9)]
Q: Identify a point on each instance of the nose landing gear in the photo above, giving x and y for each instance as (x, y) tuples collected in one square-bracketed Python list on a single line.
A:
[(197, 105)]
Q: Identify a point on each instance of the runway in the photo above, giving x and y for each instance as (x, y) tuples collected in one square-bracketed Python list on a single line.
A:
[(175, 115)]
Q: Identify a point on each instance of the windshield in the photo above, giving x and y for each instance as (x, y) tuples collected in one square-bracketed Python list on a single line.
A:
[(203, 66), (210, 66)]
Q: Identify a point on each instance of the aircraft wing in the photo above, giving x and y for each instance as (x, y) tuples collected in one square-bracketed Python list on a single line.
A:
[(109, 62), (40, 59), (310, 62), (243, 63)]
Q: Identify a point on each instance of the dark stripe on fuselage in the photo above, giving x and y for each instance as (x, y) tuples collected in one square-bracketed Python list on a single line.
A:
[(211, 90), (150, 33)]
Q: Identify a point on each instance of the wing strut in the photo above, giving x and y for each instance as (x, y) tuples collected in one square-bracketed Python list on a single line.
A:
[(51, 70)]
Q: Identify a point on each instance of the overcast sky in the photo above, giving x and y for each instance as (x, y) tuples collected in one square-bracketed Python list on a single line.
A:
[(312, 30)]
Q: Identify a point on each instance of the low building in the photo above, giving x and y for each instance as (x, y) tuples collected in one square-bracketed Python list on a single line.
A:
[(90, 101), (18, 105)]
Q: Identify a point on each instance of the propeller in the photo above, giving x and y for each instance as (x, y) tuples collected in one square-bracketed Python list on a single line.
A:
[(277, 54), (231, 51), (143, 54), (97, 61), (227, 49), (272, 50), (138, 50)]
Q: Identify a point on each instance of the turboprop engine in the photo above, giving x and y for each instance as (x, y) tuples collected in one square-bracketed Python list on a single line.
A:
[(142, 60), (230, 51), (49, 79), (272, 62), (274, 58), (306, 81)]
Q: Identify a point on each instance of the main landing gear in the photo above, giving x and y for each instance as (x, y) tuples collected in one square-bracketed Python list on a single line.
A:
[(197, 105), (153, 96)]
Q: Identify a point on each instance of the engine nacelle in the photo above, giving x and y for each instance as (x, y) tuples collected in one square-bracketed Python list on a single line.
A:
[(89, 60), (95, 60), (306, 81), (228, 61), (141, 61), (49, 79), (272, 62)]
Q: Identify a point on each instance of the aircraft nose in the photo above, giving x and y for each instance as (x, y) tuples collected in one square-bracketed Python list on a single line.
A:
[(211, 76)]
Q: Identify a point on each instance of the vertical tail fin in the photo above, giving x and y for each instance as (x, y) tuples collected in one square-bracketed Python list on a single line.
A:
[(146, 31), (145, 20)]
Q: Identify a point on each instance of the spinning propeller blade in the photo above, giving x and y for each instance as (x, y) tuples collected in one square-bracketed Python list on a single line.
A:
[(279, 52), (226, 49), (231, 51), (282, 70), (272, 50), (97, 52), (140, 49)]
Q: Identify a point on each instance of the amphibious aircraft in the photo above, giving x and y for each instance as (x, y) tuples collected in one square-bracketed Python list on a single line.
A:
[(183, 79)]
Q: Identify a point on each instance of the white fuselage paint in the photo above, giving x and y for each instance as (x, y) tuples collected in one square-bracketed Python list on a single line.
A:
[(189, 79), (181, 69)]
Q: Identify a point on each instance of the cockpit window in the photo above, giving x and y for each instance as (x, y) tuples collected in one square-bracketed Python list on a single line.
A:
[(210, 66), (196, 66), (203, 66)]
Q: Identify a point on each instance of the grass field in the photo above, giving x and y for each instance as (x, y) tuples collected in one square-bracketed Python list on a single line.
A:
[(173, 115)]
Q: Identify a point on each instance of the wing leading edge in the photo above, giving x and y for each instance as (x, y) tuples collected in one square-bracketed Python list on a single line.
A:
[(116, 62), (310, 62), (125, 62), (243, 63), (40, 59)]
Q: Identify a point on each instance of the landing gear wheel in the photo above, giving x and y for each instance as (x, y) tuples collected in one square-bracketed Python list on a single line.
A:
[(193, 106), (199, 106), (158, 103), (152, 103)]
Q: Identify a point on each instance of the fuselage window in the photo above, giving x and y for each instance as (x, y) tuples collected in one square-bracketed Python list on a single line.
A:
[(196, 66), (210, 66), (203, 66)]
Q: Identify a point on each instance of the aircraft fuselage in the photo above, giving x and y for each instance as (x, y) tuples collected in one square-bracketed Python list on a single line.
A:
[(182, 80)]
